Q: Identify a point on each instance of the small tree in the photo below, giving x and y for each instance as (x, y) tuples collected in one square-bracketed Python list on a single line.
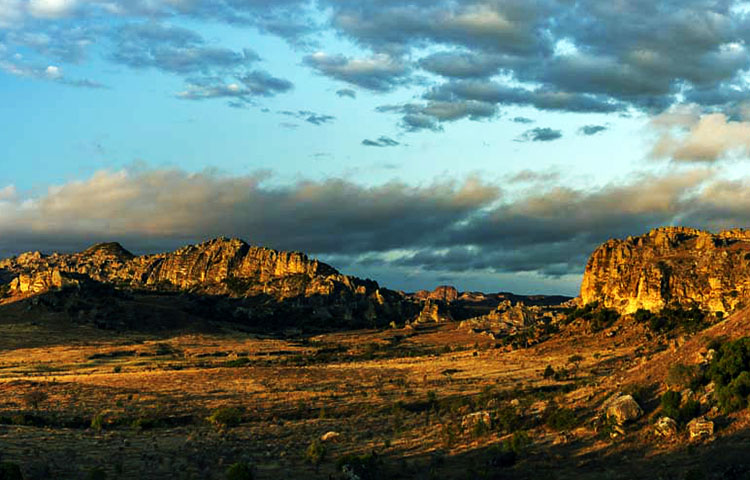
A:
[(34, 398), (549, 372), (575, 360)]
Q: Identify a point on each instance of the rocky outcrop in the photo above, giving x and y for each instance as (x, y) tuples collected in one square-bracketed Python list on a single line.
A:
[(670, 266), (220, 267)]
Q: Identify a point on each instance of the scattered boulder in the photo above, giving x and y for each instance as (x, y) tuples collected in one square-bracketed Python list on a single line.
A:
[(665, 427), (700, 428), (624, 409), (471, 420), (330, 437)]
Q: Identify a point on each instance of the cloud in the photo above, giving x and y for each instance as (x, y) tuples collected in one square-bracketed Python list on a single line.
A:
[(174, 50), (309, 117), (382, 141), (454, 227), (521, 120), (168, 207), (589, 130), (461, 64), (429, 116), (51, 8), (241, 92), (540, 135), (685, 134), (51, 73), (380, 73), (346, 92)]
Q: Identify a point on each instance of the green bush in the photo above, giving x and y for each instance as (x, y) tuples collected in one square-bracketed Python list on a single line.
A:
[(670, 404), (549, 372), (517, 443), (226, 417), (239, 471), (558, 418), (316, 452), (673, 318), (507, 419), (730, 371)]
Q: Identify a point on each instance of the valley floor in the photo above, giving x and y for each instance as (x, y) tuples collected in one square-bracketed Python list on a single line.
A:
[(143, 406)]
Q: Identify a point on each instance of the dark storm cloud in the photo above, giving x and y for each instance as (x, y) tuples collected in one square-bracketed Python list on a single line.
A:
[(589, 130), (540, 135), (382, 141)]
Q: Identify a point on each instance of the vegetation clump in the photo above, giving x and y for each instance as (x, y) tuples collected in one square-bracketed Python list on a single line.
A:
[(239, 471), (598, 317), (225, 417), (672, 408), (730, 371), (673, 319), (364, 467)]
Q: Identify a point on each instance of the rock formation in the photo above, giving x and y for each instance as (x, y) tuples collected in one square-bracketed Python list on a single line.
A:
[(670, 266), (220, 267)]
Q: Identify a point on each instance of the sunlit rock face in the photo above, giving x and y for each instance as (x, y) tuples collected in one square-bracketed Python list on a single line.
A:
[(670, 266), (219, 267)]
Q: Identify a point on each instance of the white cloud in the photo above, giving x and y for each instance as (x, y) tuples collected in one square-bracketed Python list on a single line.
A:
[(686, 135), (51, 8)]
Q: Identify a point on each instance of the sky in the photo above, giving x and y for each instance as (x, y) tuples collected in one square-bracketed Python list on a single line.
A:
[(487, 144)]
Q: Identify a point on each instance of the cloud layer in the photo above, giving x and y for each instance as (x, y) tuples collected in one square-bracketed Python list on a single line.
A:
[(446, 227)]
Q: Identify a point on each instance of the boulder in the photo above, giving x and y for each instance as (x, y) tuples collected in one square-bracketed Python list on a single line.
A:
[(330, 437), (665, 427), (471, 420), (624, 409), (700, 428)]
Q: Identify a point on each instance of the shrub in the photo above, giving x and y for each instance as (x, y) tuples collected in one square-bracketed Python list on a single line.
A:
[(239, 471), (559, 418), (315, 452), (730, 371), (684, 376), (97, 473), (674, 318), (364, 467), (517, 443), (10, 471), (34, 397), (97, 423), (225, 417), (507, 419), (549, 372), (670, 404)]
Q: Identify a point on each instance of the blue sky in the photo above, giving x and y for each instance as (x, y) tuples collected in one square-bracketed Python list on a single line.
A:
[(490, 144)]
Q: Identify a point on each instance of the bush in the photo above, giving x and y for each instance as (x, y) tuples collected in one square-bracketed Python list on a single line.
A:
[(507, 419), (10, 471), (673, 318), (559, 418), (517, 443), (549, 372), (364, 467), (315, 452), (684, 376), (670, 404), (34, 397), (239, 471), (97, 473), (730, 371), (226, 417), (98, 422)]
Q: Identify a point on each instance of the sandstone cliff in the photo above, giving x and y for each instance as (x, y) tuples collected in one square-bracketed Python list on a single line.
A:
[(670, 266), (220, 267)]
